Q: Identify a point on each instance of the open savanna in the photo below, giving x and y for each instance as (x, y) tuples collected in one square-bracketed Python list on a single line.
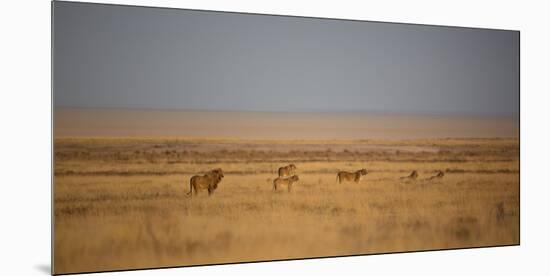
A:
[(121, 203)]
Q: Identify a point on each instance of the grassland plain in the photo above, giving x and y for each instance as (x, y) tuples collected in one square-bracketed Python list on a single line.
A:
[(121, 203)]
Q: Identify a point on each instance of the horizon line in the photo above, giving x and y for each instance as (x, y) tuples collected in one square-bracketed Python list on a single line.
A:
[(351, 111)]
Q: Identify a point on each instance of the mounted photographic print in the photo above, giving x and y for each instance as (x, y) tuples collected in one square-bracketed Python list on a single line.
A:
[(189, 137)]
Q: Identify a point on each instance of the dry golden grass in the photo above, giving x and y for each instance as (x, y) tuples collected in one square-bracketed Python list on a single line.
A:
[(120, 203)]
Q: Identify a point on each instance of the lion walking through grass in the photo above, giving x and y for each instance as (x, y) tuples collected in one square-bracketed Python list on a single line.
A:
[(350, 176)]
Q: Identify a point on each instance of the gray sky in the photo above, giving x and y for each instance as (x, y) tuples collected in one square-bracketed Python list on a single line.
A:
[(132, 57)]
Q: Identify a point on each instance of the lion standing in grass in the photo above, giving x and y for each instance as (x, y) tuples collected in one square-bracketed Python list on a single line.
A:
[(350, 176), (287, 170), (279, 181), (208, 181)]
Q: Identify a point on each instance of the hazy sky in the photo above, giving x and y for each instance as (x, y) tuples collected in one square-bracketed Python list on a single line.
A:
[(132, 57)]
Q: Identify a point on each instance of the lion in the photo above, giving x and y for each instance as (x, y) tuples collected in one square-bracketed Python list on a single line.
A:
[(279, 181), (208, 181), (439, 174), (350, 176), (413, 175), (287, 170)]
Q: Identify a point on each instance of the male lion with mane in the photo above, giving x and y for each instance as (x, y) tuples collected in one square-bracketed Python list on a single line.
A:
[(208, 181), (350, 176)]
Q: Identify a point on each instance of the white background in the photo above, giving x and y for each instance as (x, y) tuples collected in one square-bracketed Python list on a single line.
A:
[(25, 137)]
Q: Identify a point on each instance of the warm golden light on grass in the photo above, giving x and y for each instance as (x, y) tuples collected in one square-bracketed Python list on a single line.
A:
[(120, 203)]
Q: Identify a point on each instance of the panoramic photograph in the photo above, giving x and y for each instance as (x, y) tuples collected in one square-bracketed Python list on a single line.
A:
[(186, 137)]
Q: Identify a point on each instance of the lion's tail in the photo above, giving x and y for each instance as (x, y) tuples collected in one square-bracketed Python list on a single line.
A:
[(337, 178)]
